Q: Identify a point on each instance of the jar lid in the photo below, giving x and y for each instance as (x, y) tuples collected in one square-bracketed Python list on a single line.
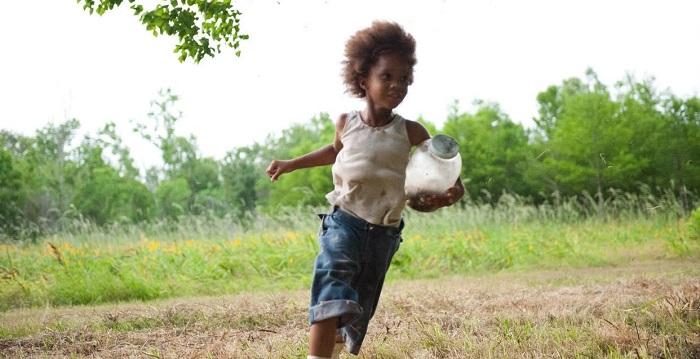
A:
[(444, 146)]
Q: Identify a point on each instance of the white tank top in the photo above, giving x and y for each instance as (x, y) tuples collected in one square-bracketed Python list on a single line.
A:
[(370, 170)]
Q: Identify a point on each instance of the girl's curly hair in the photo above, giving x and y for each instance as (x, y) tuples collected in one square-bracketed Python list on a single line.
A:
[(363, 49)]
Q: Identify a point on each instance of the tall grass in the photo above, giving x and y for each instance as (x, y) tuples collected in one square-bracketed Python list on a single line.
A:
[(507, 209), (207, 255)]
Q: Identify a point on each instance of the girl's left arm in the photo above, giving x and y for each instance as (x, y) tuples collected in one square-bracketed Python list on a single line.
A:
[(323, 156)]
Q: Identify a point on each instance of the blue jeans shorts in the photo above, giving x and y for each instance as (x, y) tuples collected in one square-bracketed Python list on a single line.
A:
[(354, 256)]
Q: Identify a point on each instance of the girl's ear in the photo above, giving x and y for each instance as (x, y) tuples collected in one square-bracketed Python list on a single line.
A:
[(363, 83)]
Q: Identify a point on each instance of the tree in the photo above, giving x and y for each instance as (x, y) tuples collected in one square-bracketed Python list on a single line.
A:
[(176, 150), (202, 27), (104, 196), (181, 160), (109, 139), (551, 103), (50, 169), (682, 129), (15, 182), (590, 145), (243, 174), (641, 114), (307, 186), (11, 194), (173, 197), (493, 150), (203, 178)]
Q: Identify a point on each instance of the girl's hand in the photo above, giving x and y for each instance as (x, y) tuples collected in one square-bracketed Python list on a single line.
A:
[(278, 168), (427, 202)]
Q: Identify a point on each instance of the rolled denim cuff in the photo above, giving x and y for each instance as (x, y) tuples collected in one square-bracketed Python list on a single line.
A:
[(353, 339), (335, 308)]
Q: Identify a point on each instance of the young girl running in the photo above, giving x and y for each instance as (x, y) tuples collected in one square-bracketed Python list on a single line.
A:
[(369, 156)]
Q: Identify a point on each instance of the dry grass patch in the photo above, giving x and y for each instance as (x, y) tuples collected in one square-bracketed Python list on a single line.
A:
[(643, 310)]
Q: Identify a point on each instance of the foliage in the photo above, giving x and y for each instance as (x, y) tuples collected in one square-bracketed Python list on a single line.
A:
[(104, 196), (680, 145), (493, 150), (202, 27), (302, 187), (173, 197), (241, 172), (591, 142), (11, 194)]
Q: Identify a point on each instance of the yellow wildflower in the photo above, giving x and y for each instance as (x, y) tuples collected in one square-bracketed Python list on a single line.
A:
[(290, 236), (153, 245)]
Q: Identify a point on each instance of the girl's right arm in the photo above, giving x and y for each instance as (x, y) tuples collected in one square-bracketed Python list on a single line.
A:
[(321, 157)]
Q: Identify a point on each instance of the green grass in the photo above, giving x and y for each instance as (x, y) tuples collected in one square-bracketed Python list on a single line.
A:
[(101, 265)]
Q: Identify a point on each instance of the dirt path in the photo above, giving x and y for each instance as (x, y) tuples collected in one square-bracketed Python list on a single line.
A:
[(647, 309)]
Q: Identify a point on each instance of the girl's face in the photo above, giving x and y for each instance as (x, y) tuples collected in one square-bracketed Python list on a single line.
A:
[(387, 82)]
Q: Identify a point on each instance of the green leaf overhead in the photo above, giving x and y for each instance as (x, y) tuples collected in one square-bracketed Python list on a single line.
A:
[(203, 28)]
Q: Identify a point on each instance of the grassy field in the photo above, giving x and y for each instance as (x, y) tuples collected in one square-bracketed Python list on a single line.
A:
[(647, 309), (99, 266), (505, 280)]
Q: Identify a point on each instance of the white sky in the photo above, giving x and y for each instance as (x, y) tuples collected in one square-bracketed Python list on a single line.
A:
[(58, 62)]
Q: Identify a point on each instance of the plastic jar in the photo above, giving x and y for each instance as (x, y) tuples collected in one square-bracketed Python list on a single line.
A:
[(433, 167)]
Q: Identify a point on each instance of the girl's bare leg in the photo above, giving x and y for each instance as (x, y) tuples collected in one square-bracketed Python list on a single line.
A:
[(322, 337)]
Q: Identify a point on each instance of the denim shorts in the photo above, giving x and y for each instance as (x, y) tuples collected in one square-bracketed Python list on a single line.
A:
[(354, 256)]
